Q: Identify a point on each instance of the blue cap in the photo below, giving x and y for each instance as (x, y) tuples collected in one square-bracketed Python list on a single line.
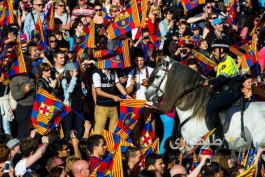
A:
[(217, 21), (195, 26)]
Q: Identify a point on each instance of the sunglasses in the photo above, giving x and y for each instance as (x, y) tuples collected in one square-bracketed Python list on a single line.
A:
[(39, 5), (146, 37), (209, 7), (8, 51), (52, 41), (98, 10), (115, 11), (214, 18), (61, 5), (256, 20), (47, 70)]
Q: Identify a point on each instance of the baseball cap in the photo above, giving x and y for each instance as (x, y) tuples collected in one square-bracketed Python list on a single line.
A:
[(11, 144), (217, 21)]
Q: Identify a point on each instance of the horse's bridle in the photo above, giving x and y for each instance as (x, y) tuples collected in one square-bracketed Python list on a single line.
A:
[(157, 87)]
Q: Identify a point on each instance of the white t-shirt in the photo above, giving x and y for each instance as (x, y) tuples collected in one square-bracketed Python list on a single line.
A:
[(65, 18), (139, 77), (20, 168), (97, 79)]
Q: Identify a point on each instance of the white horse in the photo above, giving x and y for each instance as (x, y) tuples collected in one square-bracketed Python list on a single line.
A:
[(173, 84)]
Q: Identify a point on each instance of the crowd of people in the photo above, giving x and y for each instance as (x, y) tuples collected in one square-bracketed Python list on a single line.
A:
[(94, 93)]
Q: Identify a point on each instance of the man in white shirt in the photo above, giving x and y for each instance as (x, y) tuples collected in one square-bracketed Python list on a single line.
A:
[(136, 87)]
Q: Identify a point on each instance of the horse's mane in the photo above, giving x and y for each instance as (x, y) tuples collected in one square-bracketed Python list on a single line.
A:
[(184, 89)]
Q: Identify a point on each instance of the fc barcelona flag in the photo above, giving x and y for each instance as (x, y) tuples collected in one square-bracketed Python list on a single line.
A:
[(148, 133), (15, 64), (250, 172), (102, 168), (38, 36), (49, 16), (232, 13), (9, 14), (130, 110), (191, 4), (47, 111), (151, 148), (125, 21), (206, 63), (2, 15)]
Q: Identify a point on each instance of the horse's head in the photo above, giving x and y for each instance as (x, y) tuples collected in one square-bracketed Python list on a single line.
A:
[(156, 86)]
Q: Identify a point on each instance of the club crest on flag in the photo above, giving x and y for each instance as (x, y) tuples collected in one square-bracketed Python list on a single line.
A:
[(146, 139), (122, 21), (8, 66), (127, 118), (45, 113)]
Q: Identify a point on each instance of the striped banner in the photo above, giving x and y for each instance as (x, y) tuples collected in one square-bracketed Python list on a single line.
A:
[(91, 38)]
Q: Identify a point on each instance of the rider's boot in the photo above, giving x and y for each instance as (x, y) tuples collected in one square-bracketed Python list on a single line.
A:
[(219, 138)]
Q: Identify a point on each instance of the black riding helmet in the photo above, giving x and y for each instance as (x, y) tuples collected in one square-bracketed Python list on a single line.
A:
[(220, 43)]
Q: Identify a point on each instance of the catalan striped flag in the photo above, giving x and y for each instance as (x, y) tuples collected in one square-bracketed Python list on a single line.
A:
[(125, 21), (254, 53), (259, 91), (180, 158), (49, 16), (113, 141), (38, 36), (144, 6), (15, 64), (148, 134), (244, 162), (250, 172), (47, 111), (125, 134), (2, 15), (191, 4), (130, 110), (206, 63), (91, 35), (115, 166), (8, 4), (103, 53), (208, 134)]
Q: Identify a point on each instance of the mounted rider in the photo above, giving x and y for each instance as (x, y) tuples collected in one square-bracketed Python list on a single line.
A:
[(227, 83)]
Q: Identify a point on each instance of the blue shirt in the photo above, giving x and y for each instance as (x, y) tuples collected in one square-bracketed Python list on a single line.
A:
[(29, 24)]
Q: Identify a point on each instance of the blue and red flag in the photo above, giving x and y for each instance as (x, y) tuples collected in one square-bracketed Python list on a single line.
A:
[(2, 15), (191, 4), (245, 52), (150, 149), (232, 13), (101, 169), (47, 111), (9, 14), (49, 16), (206, 63), (148, 134), (125, 21), (81, 43), (15, 63), (130, 110), (38, 36)]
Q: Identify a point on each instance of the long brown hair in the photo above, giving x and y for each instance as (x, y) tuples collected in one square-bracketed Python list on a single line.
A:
[(41, 68), (208, 24)]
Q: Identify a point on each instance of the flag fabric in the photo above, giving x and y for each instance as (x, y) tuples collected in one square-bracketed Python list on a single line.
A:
[(194, 161), (49, 15), (38, 36), (130, 110), (231, 19), (250, 172), (125, 21), (148, 134), (9, 17), (180, 158), (102, 53), (2, 15), (143, 17), (115, 166), (15, 64), (254, 53), (243, 50), (191, 4), (206, 63), (113, 141), (125, 135), (102, 168), (150, 149), (47, 111), (91, 38), (244, 162)]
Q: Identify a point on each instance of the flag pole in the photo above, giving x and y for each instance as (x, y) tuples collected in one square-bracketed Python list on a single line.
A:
[(79, 115)]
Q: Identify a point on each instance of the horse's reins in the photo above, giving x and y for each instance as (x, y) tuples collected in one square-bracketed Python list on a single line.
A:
[(158, 87)]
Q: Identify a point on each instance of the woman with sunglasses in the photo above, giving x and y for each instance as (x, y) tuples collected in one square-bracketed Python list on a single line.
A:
[(60, 13), (44, 79), (209, 29), (98, 19)]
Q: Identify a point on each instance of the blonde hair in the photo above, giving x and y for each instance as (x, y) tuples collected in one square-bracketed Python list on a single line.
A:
[(153, 8), (69, 162), (112, 7)]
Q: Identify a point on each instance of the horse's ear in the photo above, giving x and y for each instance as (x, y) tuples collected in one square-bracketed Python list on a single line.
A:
[(165, 61)]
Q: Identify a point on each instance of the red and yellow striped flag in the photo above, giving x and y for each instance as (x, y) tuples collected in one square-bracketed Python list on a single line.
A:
[(91, 38), (250, 172)]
